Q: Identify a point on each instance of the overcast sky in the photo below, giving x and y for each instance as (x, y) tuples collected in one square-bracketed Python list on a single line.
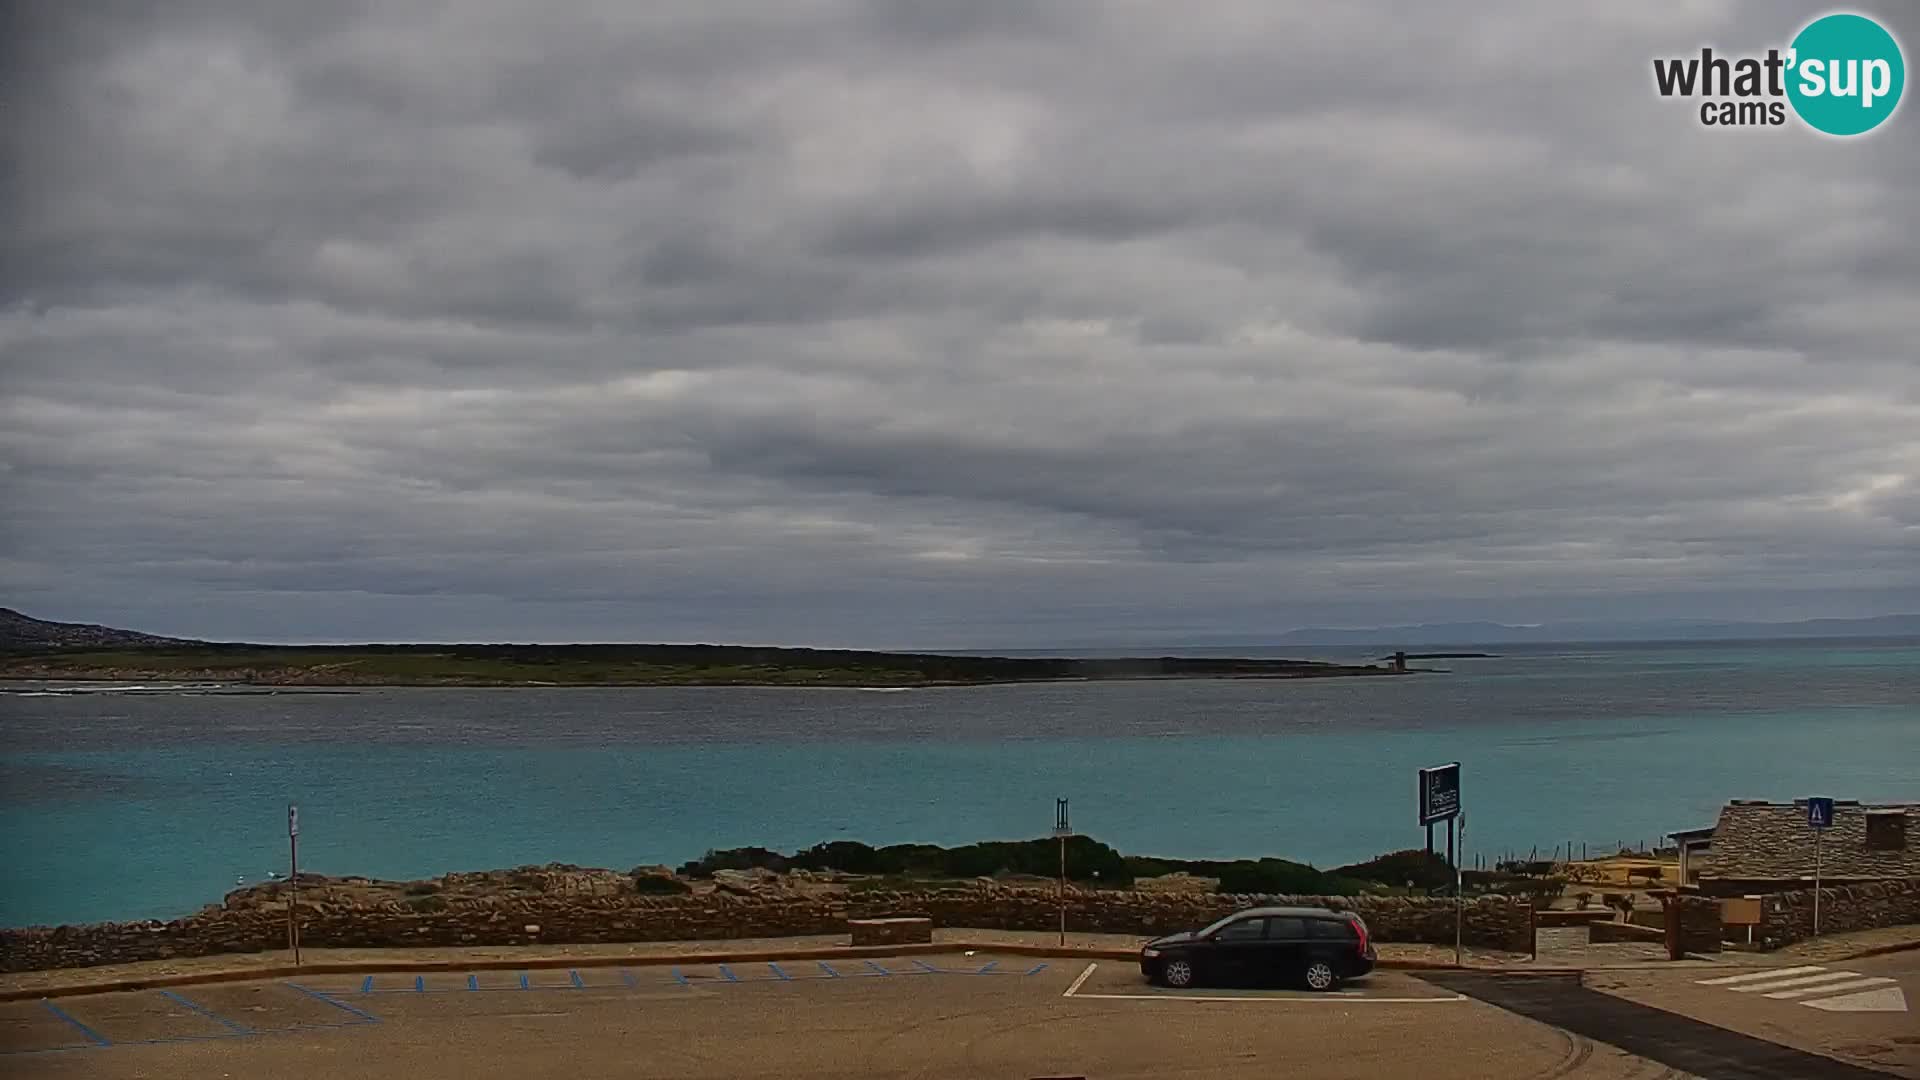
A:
[(937, 323)]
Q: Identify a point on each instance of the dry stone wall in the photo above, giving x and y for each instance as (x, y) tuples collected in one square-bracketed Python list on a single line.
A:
[(1493, 922), (1787, 917)]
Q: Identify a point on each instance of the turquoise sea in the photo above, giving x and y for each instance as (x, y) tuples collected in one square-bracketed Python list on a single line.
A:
[(123, 806)]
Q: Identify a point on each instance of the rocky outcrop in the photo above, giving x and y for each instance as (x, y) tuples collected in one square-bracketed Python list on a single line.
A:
[(568, 910)]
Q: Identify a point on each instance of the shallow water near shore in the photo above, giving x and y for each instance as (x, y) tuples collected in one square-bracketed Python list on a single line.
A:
[(150, 805)]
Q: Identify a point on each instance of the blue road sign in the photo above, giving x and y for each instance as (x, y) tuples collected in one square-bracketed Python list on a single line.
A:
[(1820, 813)]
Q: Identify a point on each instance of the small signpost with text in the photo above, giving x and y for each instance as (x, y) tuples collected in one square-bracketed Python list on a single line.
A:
[(1440, 801), (293, 881), (1062, 828), (1819, 819)]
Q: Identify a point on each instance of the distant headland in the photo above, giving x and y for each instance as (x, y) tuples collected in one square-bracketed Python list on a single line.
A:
[(35, 649)]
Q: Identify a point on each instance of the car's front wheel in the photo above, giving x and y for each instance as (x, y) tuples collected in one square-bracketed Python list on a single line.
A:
[(1320, 976), (1177, 973)]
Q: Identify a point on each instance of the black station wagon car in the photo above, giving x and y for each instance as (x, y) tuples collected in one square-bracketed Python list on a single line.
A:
[(1315, 947)]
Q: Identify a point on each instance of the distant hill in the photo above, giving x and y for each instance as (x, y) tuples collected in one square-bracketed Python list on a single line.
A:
[(1491, 633), (19, 631)]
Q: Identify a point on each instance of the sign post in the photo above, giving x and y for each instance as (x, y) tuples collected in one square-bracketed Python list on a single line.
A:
[(1819, 819), (1062, 828), (1440, 801), (293, 881), (1459, 895)]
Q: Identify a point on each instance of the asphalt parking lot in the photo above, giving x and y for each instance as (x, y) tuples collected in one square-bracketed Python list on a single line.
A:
[(929, 1017)]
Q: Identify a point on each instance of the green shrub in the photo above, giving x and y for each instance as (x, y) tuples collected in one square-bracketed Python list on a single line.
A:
[(1086, 857), (1276, 876), (850, 856), (1141, 866), (744, 858), (1424, 869), (427, 904)]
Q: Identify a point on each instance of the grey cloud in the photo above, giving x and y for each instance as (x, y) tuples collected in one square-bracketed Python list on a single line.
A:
[(904, 323)]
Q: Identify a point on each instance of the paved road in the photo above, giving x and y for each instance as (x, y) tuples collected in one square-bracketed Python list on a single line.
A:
[(927, 1017), (1863, 1012), (1705, 1030)]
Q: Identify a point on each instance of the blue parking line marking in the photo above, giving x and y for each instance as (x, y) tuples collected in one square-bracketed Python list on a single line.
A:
[(828, 968), (727, 973), (781, 975), (84, 1029), (473, 982), (627, 977), (208, 1013), (991, 964), (877, 969), (523, 980), (419, 984), (1036, 969), (578, 983), (679, 978), (924, 968), (367, 986), (364, 1016)]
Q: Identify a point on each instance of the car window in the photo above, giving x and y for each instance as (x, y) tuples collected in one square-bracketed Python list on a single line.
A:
[(1330, 930), (1286, 929), (1242, 930)]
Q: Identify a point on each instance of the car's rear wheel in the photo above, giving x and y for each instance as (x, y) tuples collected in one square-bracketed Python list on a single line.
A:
[(1320, 976), (1177, 974)]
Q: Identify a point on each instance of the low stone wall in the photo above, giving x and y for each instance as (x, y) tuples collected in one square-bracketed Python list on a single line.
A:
[(907, 931), (1494, 922), (1787, 917), (1599, 933), (1699, 923), (1549, 919)]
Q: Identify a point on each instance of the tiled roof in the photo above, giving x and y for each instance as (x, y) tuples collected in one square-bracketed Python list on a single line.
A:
[(1771, 841)]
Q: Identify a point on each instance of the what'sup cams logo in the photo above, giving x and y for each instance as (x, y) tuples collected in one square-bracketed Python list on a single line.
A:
[(1842, 74)]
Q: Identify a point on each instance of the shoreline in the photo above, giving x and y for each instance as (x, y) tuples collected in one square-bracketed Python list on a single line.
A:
[(152, 682)]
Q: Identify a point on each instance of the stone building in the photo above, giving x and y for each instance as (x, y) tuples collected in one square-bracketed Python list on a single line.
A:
[(1762, 847)]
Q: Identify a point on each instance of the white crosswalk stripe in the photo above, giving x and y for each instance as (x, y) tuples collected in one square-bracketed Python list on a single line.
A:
[(1818, 988), (1885, 999), (1799, 980), (1754, 976), (1830, 988)]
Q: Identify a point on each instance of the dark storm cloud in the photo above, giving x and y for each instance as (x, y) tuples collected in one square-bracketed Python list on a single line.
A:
[(888, 322)]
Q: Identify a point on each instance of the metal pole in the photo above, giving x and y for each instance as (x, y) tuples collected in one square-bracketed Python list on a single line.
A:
[(293, 895), (1063, 891), (1429, 837), (1062, 828), (1816, 881), (1459, 894)]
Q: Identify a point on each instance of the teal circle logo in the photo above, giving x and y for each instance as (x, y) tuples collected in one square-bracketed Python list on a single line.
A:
[(1846, 75)]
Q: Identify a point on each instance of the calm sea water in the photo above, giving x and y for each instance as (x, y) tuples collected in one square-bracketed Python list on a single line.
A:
[(135, 806)]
